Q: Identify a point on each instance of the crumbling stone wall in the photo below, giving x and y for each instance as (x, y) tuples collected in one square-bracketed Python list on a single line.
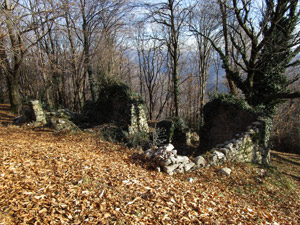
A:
[(138, 121), (231, 132), (120, 106), (37, 112), (243, 148), (33, 114), (222, 121)]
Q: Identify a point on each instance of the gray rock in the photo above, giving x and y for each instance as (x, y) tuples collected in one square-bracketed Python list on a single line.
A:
[(200, 161), (213, 160), (180, 170), (219, 154), (230, 145), (173, 159), (226, 171), (188, 166), (60, 124), (251, 131), (190, 179), (170, 169), (169, 147), (226, 151), (182, 159), (166, 162)]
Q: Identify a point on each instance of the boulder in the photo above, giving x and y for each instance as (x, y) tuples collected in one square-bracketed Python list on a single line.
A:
[(61, 124), (226, 171), (200, 161)]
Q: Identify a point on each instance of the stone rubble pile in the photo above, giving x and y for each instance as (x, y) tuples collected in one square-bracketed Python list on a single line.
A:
[(167, 159)]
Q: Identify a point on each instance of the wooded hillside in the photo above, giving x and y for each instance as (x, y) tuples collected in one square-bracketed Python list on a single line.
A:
[(53, 178)]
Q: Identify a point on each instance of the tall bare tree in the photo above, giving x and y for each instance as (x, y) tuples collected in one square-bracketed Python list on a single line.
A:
[(16, 39), (171, 15), (151, 68), (205, 20)]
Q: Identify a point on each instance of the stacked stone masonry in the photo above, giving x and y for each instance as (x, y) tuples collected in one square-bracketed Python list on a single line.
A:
[(138, 119), (243, 148), (38, 113)]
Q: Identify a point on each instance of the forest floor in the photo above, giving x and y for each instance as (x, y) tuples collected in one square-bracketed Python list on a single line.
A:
[(58, 178)]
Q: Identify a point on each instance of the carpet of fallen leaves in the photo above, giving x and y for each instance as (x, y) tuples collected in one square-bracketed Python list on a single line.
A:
[(50, 178)]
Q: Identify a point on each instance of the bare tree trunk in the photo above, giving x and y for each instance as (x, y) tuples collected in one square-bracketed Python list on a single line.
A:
[(232, 86), (176, 86), (14, 93)]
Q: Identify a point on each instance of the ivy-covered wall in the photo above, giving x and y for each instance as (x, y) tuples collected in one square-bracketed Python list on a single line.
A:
[(232, 131), (224, 117)]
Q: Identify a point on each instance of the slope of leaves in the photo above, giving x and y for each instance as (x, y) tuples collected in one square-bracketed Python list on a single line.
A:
[(48, 178)]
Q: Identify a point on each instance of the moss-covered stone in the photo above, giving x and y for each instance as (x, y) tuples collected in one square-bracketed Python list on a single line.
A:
[(112, 133)]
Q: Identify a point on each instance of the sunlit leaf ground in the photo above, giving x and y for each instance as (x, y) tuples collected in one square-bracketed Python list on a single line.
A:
[(49, 178)]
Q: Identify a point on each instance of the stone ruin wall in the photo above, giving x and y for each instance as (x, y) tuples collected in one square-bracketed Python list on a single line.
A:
[(138, 120), (243, 148)]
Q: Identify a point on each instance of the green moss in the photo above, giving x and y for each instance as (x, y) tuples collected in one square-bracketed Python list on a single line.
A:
[(231, 100)]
